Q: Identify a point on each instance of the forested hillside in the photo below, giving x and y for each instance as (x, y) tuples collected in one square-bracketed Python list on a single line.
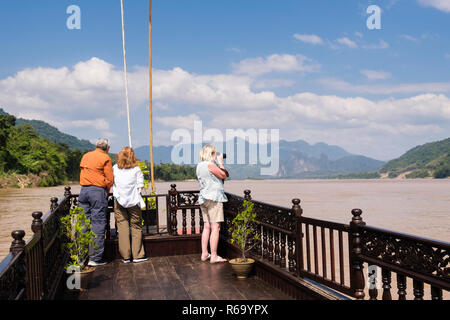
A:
[(51, 133), (428, 160), (24, 152), (28, 159)]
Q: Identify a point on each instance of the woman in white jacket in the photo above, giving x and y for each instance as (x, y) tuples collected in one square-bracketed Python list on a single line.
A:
[(128, 184)]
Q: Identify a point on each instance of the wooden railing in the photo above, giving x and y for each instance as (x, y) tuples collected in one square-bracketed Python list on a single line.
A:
[(33, 270), (423, 260), (332, 254), (184, 202)]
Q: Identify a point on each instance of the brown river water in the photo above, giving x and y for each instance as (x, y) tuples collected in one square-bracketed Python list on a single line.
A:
[(418, 207)]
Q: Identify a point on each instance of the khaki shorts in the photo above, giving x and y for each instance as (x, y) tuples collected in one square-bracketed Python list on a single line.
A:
[(212, 211)]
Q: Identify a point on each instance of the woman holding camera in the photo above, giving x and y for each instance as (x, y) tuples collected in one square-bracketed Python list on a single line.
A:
[(212, 196)]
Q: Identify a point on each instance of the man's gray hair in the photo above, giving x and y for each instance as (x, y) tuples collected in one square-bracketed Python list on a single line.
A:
[(102, 144)]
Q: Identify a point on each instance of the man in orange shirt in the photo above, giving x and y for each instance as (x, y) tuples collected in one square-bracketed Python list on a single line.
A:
[(96, 180)]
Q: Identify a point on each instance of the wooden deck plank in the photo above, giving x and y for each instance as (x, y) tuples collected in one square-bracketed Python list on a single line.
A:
[(147, 283), (124, 284), (101, 285), (168, 280), (175, 278), (201, 292)]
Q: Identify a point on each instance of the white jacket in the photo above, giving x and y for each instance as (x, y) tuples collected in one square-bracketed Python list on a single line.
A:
[(128, 184)]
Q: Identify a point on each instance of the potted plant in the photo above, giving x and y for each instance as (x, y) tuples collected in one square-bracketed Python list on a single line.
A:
[(149, 210), (243, 234), (76, 229)]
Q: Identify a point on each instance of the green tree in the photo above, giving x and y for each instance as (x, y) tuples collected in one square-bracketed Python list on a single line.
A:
[(36, 155), (7, 123)]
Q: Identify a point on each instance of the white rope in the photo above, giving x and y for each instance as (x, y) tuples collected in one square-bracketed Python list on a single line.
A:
[(126, 74)]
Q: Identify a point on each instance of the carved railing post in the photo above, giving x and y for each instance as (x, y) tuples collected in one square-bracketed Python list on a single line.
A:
[(18, 244), (18, 284), (67, 194), (298, 211), (418, 289), (67, 191), (386, 276), (401, 286), (172, 223), (356, 265), (53, 204), (35, 261), (36, 226), (436, 293)]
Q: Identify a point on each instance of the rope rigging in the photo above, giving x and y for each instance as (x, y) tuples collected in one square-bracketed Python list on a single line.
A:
[(150, 88), (125, 73)]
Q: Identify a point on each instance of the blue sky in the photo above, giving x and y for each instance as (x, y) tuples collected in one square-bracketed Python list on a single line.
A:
[(309, 68)]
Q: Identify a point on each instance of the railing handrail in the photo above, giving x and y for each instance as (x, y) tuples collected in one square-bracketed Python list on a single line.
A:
[(407, 236), (29, 256)]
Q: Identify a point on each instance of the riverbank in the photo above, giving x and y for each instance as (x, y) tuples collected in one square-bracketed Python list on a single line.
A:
[(25, 181), (19, 181)]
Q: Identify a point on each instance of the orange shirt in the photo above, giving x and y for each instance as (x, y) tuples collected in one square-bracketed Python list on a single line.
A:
[(96, 170)]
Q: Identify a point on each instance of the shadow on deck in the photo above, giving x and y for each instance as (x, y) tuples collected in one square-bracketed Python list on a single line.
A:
[(175, 278)]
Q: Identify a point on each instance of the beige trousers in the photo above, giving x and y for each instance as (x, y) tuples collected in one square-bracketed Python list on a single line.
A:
[(126, 219)]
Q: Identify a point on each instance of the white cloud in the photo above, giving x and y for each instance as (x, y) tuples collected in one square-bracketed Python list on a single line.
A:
[(272, 83), (355, 123), (347, 42), (409, 38), (213, 91), (388, 89), (234, 50), (275, 63), (91, 88), (186, 122), (442, 5), (309, 38), (99, 124), (381, 45), (89, 97), (376, 75)]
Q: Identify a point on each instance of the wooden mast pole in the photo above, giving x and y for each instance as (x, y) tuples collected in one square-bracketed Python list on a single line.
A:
[(151, 96)]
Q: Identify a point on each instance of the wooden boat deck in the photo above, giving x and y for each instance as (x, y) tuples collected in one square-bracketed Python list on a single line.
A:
[(175, 278)]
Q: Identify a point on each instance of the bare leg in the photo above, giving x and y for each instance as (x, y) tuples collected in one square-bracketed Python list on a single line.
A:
[(214, 239), (205, 240)]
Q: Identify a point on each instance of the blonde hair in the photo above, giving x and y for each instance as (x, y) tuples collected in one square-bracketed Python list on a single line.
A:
[(207, 152), (127, 159)]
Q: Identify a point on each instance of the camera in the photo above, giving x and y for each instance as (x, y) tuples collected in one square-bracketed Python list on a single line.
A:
[(224, 155)]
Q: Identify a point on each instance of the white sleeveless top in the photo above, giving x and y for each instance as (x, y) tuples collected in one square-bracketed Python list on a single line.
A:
[(211, 187)]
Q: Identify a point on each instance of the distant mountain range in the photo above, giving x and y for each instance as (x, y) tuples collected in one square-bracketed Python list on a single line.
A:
[(297, 159), (53, 134), (428, 160)]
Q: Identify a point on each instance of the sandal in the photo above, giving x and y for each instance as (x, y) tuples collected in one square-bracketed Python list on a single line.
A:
[(218, 260), (208, 257)]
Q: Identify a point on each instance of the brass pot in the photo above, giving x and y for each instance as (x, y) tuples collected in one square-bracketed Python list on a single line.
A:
[(242, 269), (85, 277)]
